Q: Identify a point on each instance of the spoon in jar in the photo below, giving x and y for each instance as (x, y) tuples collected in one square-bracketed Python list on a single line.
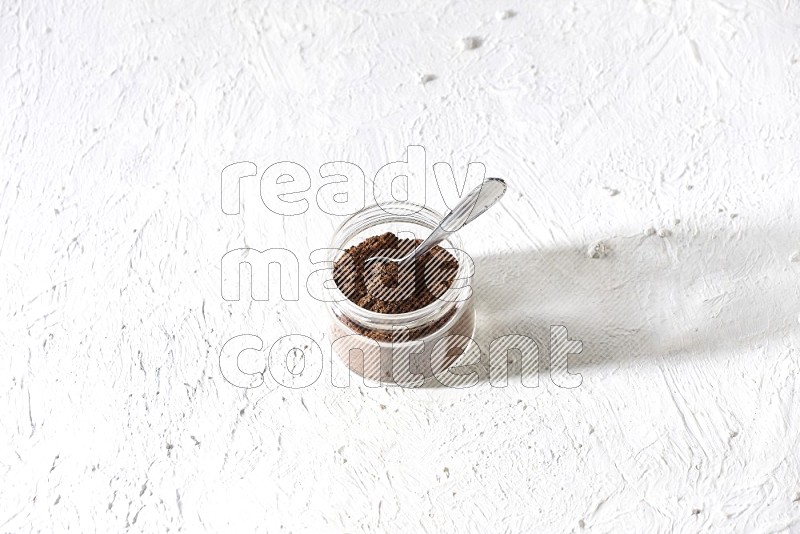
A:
[(470, 208)]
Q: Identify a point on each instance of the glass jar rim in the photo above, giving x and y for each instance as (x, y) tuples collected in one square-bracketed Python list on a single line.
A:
[(430, 220)]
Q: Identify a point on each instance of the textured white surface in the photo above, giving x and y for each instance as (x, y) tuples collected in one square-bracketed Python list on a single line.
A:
[(117, 121)]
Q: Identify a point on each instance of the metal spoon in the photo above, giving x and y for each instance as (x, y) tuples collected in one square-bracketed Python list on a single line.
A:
[(470, 208)]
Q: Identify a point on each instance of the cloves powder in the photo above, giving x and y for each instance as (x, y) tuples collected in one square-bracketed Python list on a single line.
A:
[(383, 287)]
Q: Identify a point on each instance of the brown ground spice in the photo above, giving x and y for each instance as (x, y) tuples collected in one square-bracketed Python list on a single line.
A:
[(382, 291)]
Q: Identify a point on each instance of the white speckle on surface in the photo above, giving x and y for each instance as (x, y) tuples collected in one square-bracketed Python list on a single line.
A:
[(597, 250), (425, 78), (469, 43), (504, 14)]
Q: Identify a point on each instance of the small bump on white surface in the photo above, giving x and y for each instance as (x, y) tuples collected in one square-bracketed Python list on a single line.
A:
[(469, 43), (597, 250)]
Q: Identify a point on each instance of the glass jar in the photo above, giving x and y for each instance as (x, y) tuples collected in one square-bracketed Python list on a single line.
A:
[(401, 348)]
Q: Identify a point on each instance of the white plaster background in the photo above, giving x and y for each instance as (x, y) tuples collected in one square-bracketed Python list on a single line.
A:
[(117, 119)]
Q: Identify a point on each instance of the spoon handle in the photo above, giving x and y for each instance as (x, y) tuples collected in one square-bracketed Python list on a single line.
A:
[(470, 208)]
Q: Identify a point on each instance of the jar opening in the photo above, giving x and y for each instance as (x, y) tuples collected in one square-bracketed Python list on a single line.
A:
[(405, 219)]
